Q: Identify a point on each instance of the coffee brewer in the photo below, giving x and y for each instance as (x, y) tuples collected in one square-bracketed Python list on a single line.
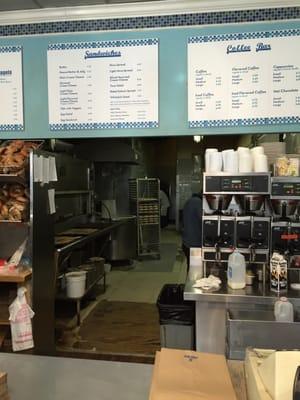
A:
[(236, 215), (285, 228)]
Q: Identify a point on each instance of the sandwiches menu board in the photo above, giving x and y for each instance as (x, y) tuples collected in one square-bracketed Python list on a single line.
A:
[(109, 84)]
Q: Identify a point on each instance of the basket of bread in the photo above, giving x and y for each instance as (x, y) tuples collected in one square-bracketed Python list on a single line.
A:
[(14, 155), (14, 201)]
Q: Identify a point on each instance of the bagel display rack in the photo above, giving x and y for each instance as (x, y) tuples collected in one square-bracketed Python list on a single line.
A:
[(14, 192)]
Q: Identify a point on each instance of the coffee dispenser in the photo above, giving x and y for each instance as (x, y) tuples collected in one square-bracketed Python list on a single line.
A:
[(236, 215), (285, 228)]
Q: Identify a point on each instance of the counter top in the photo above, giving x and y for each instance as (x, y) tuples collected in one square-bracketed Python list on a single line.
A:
[(59, 378), (255, 294), (53, 378), (15, 276)]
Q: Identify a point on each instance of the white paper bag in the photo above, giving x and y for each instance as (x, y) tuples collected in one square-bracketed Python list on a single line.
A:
[(20, 315)]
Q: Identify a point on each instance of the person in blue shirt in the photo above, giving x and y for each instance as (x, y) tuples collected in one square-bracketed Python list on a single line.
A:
[(192, 225)]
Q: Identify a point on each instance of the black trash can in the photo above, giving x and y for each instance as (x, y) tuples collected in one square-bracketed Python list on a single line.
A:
[(176, 318)]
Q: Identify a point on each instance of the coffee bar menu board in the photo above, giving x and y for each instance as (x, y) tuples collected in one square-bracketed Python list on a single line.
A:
[(244, 79), (107, 84), (11, 89)]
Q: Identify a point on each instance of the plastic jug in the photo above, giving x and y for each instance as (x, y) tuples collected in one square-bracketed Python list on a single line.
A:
[(236, 271), (284, 310)]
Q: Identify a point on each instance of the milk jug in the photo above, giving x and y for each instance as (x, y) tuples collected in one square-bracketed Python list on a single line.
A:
[(236, 271), (283, 310)]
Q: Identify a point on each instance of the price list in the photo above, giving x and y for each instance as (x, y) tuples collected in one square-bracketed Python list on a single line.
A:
[(11, 89), (241, 79), (103, 85)]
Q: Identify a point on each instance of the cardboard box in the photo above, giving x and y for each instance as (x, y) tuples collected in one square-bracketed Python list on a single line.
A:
[(189, 375)]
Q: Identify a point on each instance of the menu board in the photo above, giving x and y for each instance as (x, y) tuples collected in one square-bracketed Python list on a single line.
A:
[(244, 79), (11, 89), (108, 84)]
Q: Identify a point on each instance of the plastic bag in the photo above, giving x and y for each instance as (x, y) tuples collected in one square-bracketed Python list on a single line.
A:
[(20, 315), (173, 309)]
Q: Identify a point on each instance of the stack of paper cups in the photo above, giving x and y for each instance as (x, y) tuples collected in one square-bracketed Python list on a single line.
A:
[(215, 162), (207, 159), (260, 163), (230, 161), (245, 160), (257, 150)]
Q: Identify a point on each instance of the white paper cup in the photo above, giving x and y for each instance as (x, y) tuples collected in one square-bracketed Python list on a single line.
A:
[(257, 150), (260, 163), (215, 162), (207, 160), (245, 162)]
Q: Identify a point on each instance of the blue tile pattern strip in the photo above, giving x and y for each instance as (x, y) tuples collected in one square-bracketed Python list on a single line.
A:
[(103, 125), (103, 44), (118, 24), (10, 49), (11, 127), (245, 35), (218, 123)]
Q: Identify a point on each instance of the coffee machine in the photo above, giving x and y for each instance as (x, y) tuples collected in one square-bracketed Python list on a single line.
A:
[(285, 227), (236, 214)]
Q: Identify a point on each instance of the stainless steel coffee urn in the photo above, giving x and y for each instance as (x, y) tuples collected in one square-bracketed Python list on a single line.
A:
[(236, 215)]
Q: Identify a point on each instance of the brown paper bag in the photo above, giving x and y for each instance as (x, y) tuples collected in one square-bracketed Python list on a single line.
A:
[(189, 375)]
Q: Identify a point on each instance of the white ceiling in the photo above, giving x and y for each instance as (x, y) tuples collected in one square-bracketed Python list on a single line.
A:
[(11, 5), (36, 11)]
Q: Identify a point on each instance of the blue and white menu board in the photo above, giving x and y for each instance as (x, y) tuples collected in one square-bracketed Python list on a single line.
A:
[(244, 79), (11, 89), (107, 84)]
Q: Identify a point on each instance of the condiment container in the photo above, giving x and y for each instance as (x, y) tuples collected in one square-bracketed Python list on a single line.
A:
[(249, 278)]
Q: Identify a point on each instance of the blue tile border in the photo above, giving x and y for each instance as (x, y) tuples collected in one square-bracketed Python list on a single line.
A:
[(244, 35), (103, 125), (103, 44), (244, 122), (11, 127), (10, 49), (220, 17)]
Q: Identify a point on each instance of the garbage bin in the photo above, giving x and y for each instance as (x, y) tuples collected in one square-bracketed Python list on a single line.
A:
[(176, 317)]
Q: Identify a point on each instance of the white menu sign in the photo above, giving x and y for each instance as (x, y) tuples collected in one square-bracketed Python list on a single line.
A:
[(11, 89), (244, 79), (109, 84)]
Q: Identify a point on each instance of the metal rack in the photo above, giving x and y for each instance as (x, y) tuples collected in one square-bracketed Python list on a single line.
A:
[(145, 204)]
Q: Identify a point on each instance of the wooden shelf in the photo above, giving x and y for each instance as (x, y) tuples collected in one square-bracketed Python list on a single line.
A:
[(15, 277), (13, 178)]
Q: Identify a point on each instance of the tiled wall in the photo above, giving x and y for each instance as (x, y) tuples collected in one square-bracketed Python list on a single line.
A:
[(258, 15)]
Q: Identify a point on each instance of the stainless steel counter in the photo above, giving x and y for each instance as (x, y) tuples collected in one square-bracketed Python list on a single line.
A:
[(256, 294), (227, 320), (52, 378)]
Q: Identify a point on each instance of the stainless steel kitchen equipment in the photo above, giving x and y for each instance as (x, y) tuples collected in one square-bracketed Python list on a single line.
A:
[(228, 320), (285, 228), (145, 204), (236, 215)]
